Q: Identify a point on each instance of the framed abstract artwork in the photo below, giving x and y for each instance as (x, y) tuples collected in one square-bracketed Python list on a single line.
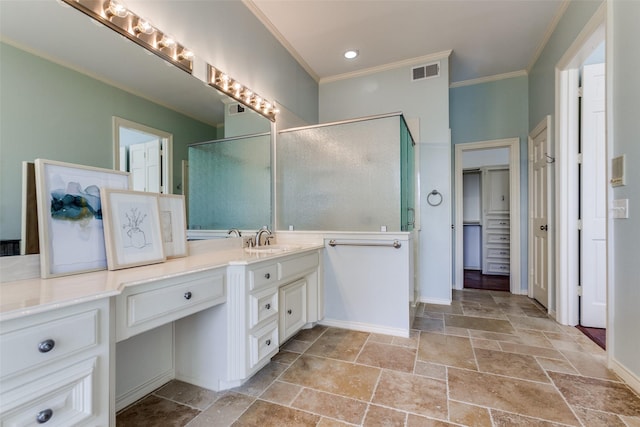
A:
[(174, 225), (132, 229), (70, 227)]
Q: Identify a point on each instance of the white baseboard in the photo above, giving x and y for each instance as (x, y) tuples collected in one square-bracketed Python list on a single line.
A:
[(437, 301), (366, 327), (629, 377), (142, 390)]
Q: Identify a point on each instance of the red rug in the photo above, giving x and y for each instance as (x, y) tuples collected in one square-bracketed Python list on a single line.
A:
[(597, 335)]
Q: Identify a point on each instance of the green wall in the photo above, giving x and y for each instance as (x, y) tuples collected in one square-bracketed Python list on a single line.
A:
[(51, 112)]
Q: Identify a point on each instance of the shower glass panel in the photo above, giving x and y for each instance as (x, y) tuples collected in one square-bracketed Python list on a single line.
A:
[(346, 176), (230, 183)]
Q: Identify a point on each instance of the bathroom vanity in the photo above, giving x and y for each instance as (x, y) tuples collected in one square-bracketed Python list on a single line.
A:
[(230, 309)]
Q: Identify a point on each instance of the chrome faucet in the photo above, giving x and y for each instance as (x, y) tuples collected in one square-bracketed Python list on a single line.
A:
[(263, 230), (234, 232)]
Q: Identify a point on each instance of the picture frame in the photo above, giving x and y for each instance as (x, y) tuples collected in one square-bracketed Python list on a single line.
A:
[(132, 231), (69, 211), (174, 224)]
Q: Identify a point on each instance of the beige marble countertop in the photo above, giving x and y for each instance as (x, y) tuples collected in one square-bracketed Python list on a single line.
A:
[(24, 297)]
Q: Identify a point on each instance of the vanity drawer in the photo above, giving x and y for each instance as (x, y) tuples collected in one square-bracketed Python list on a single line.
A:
[(62, 398), (498, 238), (262, 305), (292, 267), (263, 344), (145, 307), (497, 267), (47, 341), (498, 223), (261, 276), (497, 252)]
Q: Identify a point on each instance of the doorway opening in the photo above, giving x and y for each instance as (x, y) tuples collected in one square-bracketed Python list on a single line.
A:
[(582, 191), (487, 231), (144, 152)]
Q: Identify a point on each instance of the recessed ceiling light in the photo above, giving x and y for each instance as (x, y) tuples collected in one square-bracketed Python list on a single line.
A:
[(351, 54)]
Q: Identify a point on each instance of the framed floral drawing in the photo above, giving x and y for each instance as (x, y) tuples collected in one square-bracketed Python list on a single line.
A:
[(174, 225), (132, 230), (70, 227)]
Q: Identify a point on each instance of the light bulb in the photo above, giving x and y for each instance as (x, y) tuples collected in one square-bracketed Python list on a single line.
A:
[(143, 27), (116, 9), (166, 41), (351, 54), (185, 54)]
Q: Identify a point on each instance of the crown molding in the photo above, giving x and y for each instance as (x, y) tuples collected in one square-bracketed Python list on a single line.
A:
[(278, 35), (390, 66), (548, 33), (496, 77)]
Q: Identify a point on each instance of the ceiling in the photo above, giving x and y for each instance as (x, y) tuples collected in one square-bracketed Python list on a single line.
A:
[(487, 37)]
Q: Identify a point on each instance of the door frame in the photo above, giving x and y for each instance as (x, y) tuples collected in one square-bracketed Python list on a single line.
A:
[(166, 147), (545, 124), (514, 205), (567, 114)]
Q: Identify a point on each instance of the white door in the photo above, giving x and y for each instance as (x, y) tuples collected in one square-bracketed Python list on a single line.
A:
[(153, 166), (539, 213), (593, 304), (137, 167)]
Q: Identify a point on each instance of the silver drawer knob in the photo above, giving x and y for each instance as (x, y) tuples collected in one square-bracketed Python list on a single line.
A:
[(267, 276), (289, 311), (187, 295), (268, 306), (268, 342), (44, 416), (46, 346)]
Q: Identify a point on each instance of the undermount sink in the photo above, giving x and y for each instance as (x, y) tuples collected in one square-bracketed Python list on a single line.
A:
[(271, 249)]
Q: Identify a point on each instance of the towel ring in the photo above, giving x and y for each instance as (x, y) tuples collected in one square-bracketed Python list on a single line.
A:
[(435, 194)]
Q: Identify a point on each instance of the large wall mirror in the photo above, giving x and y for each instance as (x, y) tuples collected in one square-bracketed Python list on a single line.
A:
[(64, 79)]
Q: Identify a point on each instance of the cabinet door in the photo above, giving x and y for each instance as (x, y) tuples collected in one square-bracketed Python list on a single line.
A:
[(497, 186), (293, 308)]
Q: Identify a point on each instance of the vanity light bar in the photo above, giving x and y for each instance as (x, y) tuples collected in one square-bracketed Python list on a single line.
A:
[(116, 16), (241, 93)]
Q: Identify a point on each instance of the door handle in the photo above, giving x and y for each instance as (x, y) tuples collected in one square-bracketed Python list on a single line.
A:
[(544, 227)]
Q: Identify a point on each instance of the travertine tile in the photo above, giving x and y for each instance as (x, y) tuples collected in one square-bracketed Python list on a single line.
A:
[(328, 422), (452, 330), (285, 357), (411, 342), (446, 350), (188, 394), (428, 324), (282, 393), (486, 344), (377, 416), (224, 411), (296, 346), (333, 376), (380, 338), (310, 335), (468, 322), (532, 350), (267, 414), (510, 364), (482, 311), (454, 308), (410, 393), (556, 365), (257, 384), (339, 344), (601, 395), (155, 411), (418, 421), (567, 345), (431, 370), (631, 421), (592, 418), (388, 357), (509, 394), (331, 405), (496, 336), (504, 419), (589, 366), (524, 322), (469, 415)]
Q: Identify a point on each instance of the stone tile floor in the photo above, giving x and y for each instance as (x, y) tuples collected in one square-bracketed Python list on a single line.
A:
[(489, 359)]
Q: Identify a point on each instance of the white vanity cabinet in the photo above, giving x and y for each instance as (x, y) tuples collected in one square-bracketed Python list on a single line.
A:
[(54, 367), (222, 347)]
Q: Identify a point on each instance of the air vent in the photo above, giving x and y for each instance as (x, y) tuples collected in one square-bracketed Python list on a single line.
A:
[(425, 71), (236, 109)]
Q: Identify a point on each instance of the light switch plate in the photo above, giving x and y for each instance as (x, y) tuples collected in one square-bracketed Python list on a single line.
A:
[(620, 209)]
